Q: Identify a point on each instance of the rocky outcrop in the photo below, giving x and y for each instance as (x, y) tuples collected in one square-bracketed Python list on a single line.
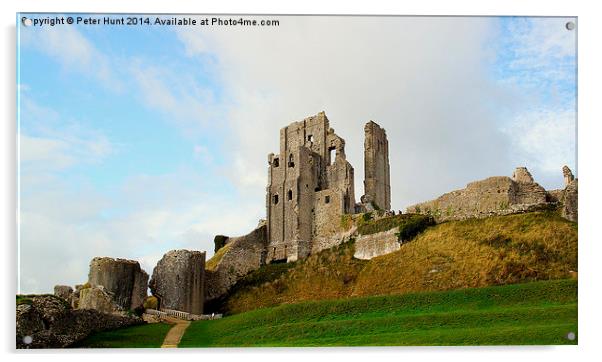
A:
[(122, 278), (47, 321), (97, 298), (178, 281), (243, 255)]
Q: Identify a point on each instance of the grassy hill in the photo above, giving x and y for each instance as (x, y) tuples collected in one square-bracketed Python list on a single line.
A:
[(458, 254), (531, 313)]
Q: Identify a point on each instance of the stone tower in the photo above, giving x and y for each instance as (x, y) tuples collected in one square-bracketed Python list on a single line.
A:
[(310, 185), (568, 175), (377, 186)]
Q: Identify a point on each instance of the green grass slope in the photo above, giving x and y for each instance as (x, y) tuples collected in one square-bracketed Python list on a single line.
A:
[(531, 313), (142, 336), (459, 254)]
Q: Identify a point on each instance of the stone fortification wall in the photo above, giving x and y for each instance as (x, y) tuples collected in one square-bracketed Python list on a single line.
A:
[(377, 184), (123, 278), (51, 323), (499, 195), (178, 281), (244, 255), (373, 245)]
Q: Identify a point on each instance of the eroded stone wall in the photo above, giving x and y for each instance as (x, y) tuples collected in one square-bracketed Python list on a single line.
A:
[(499, 195), (569, 204), (377, 184), (244, 255), (123, 278), (178, 281), (373, 245), (310, 184)]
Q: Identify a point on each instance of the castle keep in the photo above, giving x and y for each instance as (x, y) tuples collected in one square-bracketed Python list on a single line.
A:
[(311, 185)]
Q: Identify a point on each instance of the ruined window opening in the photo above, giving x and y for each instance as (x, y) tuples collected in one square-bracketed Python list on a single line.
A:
[(327, 199), (275, 199), (289, 194), (274, 252), (332, 154), (276, 162), (317, 189), (310, 138), (291, 161)]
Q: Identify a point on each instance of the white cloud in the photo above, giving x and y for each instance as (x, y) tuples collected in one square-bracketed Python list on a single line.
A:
[(423, 79), (73, 51), (49, 142), (545, 139), (177, 95)]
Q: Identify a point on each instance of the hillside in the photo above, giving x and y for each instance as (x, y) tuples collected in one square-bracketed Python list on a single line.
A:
[(530, 313), (456, 254)]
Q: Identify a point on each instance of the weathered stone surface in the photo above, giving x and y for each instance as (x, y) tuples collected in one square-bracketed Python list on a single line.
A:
[(244, 255), (377, 184), (123, 278), (373, 245), (521, 174), (97, 298), (51, 323), (63, 291), (498, 195), (569, 207), (178, 281), (568, 175), (310, 183)]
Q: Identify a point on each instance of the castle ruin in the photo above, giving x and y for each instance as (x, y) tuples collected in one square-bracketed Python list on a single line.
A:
[(377, 187), (311, 185)]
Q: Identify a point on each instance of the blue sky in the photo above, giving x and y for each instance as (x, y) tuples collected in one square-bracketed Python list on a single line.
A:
[(138, 140)]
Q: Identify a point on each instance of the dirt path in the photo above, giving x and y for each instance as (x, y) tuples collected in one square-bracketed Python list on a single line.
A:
[(172, 339)]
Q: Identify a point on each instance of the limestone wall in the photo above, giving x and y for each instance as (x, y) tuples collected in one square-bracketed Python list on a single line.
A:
[(499, 195), (178, 281), (569, 205), (377, 184), (244, 255), (123, 278), (373, 245), (310, 185)]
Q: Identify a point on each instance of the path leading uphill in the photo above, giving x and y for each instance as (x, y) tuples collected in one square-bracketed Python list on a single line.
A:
[(173, 337)]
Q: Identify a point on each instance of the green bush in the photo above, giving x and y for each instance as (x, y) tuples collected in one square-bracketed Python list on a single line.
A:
[(151, 302), (413, 225), (409, 225)]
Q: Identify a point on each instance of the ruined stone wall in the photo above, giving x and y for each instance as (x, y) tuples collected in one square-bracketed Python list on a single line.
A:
[(53, 324), (311, 161), (178, 281), (373, 245), (244, 255), (499, 195), (377, 184), (123, 278), (569, 204)]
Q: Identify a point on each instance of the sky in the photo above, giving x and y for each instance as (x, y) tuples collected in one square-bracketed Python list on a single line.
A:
[(136, 140)]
